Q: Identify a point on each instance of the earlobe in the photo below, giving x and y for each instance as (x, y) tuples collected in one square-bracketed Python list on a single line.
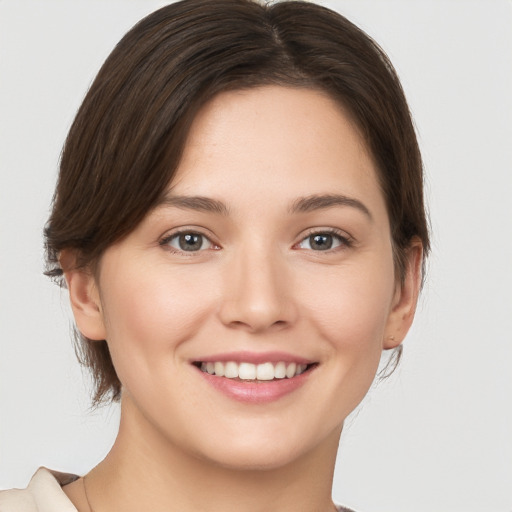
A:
[(85, 300), (406, 298)]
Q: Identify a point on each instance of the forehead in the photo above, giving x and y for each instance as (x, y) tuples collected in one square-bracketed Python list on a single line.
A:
[(275, 141)]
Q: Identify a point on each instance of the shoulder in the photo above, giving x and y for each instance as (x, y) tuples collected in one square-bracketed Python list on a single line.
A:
[(43, 494)]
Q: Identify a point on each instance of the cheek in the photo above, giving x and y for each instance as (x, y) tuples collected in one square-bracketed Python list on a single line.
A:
[(352, 306), (350, 314), (149, 313)]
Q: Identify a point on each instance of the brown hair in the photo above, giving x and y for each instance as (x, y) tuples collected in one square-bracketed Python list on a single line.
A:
[(128, 135)]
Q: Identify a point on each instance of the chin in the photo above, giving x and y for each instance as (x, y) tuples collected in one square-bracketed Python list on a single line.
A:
[(255, 459), (269, 452)]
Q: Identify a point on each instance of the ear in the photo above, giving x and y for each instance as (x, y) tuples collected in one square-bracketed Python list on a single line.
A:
[(84, 297), (405, 298)]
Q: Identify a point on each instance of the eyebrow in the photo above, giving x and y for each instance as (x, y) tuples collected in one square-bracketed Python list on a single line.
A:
[(323, 201), (300, 205), (198, 203)]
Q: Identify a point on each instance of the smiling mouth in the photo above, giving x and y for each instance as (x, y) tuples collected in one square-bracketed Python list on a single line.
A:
[(253, 372)]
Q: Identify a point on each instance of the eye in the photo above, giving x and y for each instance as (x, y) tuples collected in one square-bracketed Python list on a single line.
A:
[(324, 241), (187, 241)]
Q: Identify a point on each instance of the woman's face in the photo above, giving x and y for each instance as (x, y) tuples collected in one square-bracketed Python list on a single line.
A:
[(271, 254)]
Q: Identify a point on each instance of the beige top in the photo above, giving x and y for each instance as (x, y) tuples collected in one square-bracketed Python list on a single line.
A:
[(44, 494)]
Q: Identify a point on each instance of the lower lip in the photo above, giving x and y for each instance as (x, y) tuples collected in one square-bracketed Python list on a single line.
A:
[(260, 392)]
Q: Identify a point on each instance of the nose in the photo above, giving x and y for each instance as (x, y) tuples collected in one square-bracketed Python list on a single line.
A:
[(258, 294)]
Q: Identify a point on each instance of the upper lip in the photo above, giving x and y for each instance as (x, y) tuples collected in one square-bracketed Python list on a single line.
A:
[(254, 358)]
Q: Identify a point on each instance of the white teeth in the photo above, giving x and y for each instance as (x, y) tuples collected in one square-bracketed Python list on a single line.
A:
[(219, 369), (265, 371), (231, 370), (280, 371), (249, 371), (290, 370)]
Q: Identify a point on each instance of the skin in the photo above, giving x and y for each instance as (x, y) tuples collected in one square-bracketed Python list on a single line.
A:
[(257, 284)]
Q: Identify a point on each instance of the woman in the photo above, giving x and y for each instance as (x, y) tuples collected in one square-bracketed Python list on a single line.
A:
[(239, 220)]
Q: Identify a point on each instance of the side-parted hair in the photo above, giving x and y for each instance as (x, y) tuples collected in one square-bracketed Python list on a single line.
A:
[(128, 136)]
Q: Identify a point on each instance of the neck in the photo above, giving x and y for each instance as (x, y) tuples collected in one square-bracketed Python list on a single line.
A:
[(143, 471)]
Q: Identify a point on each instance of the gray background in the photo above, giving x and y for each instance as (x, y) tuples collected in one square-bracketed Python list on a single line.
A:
[(438, 435)]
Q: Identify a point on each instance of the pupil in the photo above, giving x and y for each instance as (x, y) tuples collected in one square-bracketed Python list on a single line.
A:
[(190, 242), (321, 242)]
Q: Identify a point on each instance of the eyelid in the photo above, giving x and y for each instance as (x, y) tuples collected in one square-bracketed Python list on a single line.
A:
[(345, 239), (165, 240)]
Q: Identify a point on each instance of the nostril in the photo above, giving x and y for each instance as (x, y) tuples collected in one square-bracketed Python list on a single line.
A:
[(255, 313), (239, 324), (255, 325)]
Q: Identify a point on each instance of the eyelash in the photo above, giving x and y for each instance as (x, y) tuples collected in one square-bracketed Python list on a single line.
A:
[(165, 242), (344, 240)]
